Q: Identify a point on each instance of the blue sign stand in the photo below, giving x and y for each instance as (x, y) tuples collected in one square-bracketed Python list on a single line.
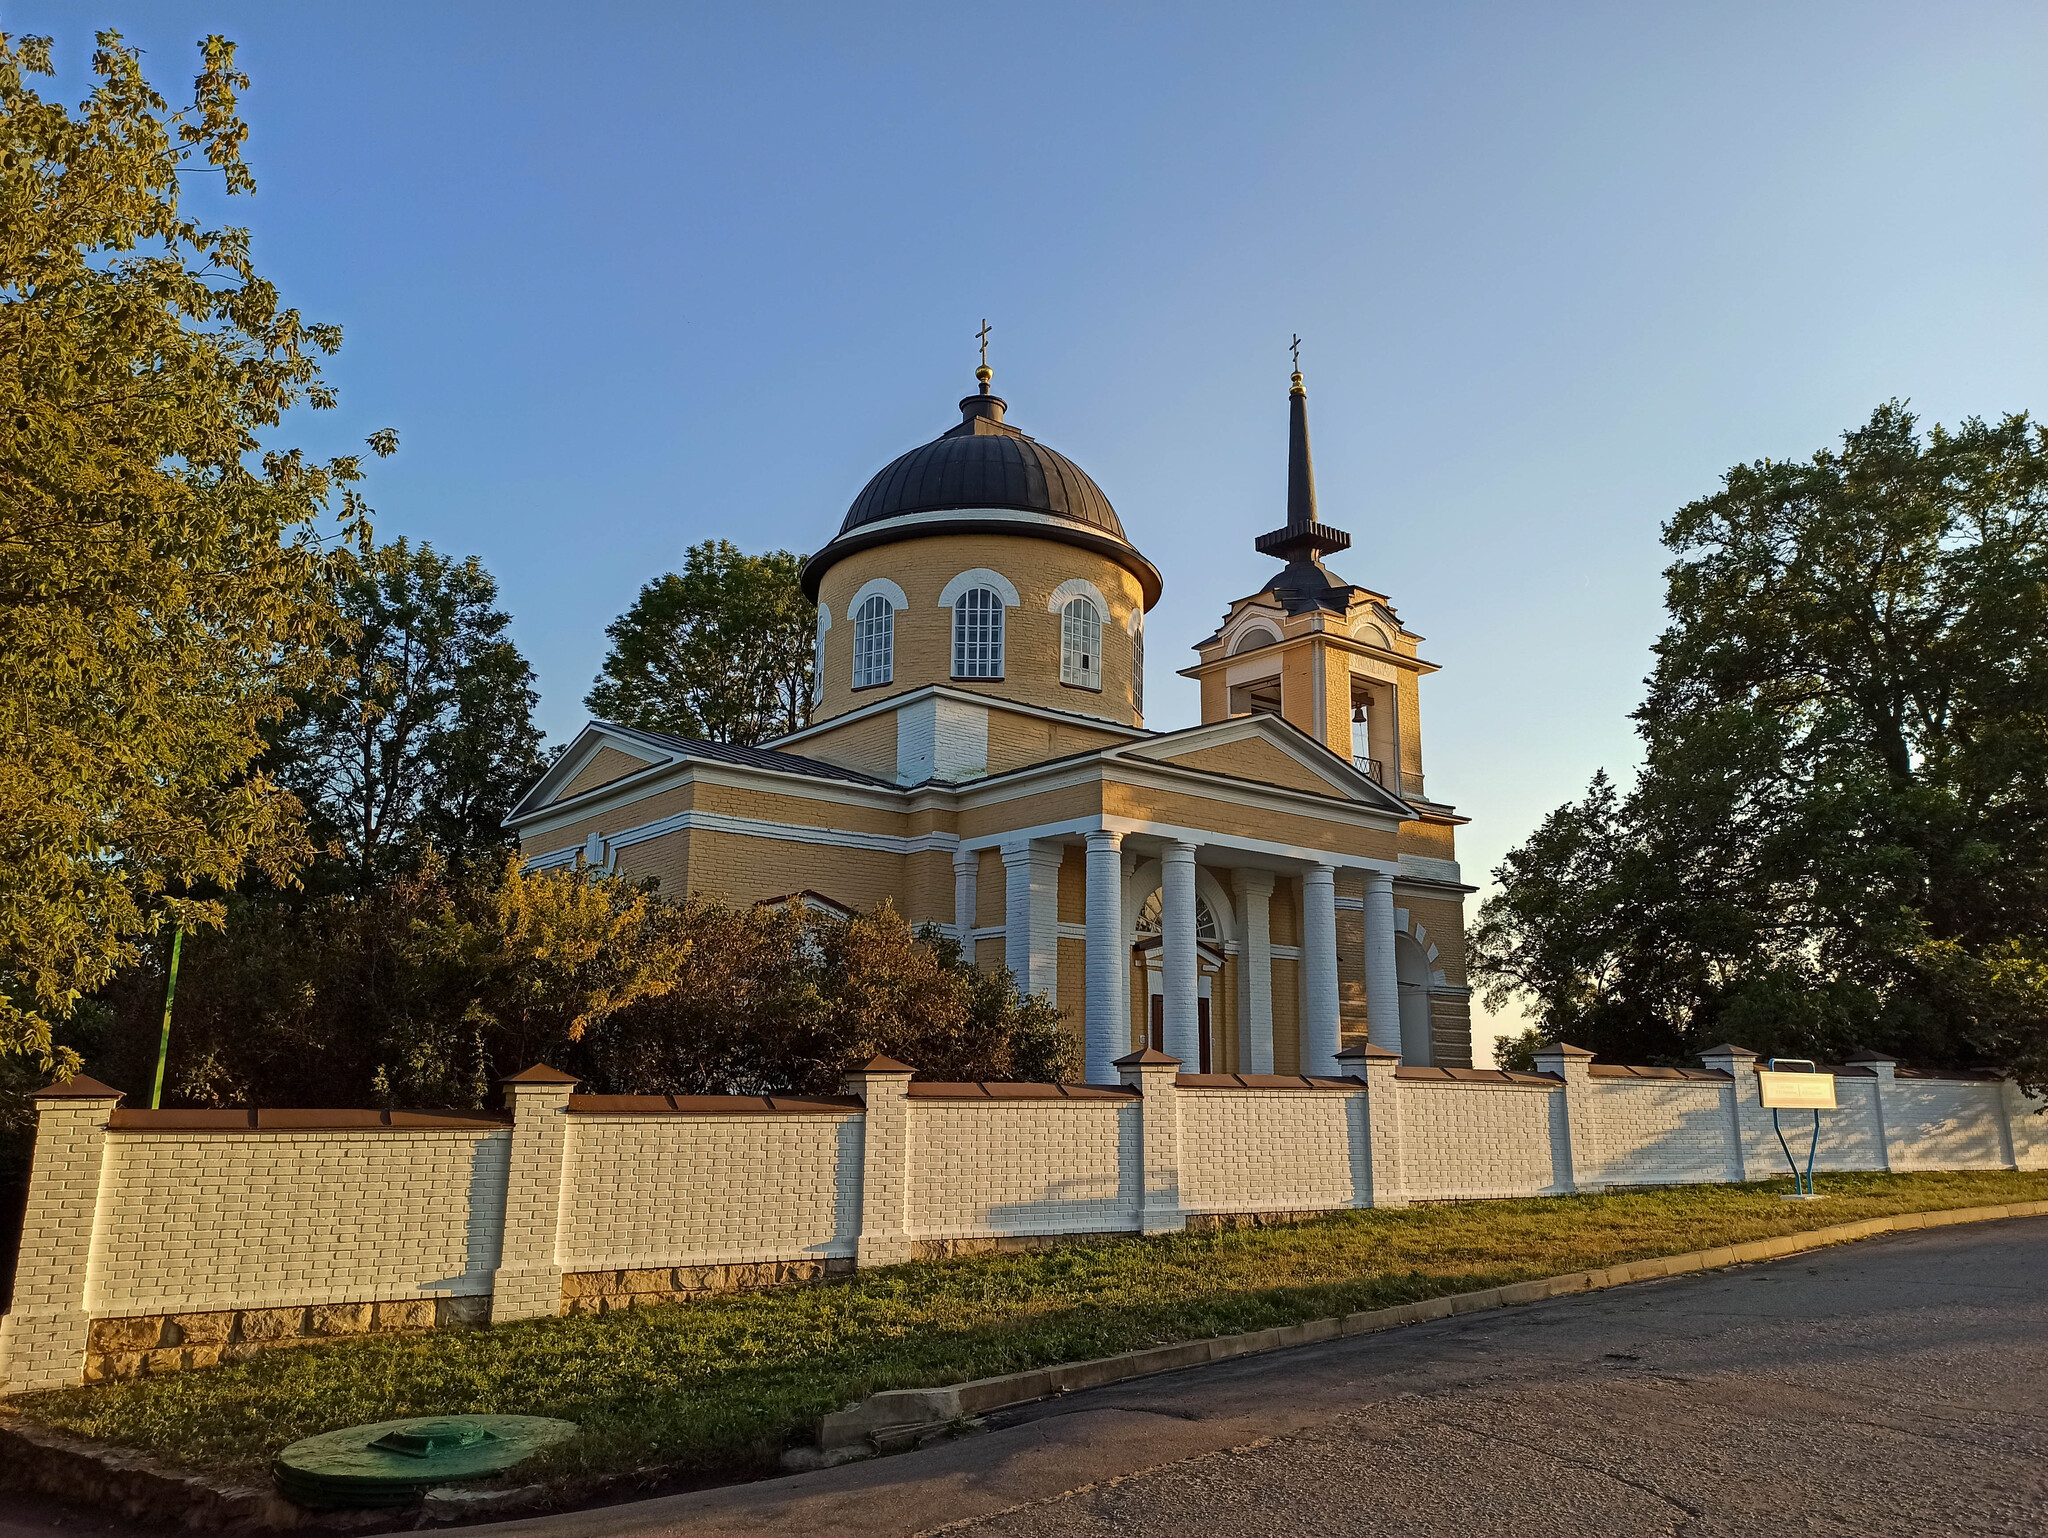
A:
[(1802, 1180)]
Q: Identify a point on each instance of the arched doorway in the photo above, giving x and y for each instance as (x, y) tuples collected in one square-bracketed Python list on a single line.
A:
[(1208, 967), (1411, 971)]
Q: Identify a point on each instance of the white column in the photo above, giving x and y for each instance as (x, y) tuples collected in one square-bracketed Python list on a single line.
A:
[(1183, 1031), (1125, 937), (1255, 972), (1382, 985), (1108, 957), (1319, 1015), (1031, 874), (966, 871)]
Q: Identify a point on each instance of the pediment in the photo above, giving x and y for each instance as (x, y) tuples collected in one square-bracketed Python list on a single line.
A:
[(1265, 750), (599, 756)]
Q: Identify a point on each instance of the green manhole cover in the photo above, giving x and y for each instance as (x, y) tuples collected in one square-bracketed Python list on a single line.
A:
[(394, 1463)]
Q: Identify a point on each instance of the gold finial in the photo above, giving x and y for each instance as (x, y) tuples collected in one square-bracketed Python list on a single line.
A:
[(984, 373)]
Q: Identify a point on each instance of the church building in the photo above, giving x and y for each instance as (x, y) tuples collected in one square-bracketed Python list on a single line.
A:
[(1250, 895)]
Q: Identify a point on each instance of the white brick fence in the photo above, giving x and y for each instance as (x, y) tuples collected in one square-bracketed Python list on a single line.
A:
[(156, 1240)]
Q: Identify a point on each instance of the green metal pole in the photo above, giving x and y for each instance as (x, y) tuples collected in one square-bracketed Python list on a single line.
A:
[(163, 1049)]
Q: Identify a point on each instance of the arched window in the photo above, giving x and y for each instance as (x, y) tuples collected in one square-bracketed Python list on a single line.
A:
[(1151, 917), (1252, 638), (978, 634), (1081, 645), (1138, 660), (874, 642)]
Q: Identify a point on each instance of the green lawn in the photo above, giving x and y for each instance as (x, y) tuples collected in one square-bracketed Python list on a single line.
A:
[(723, 1384)]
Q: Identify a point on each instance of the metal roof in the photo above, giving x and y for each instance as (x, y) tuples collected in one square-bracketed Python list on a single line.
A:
[(984, 462)]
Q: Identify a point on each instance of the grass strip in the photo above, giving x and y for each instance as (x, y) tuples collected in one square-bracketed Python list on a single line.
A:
[(721, 1385)]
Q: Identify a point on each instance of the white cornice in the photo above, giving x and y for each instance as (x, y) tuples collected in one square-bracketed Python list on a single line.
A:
[(619, 794), (990, 701)]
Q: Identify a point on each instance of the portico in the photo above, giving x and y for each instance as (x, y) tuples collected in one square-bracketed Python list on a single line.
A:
[(1221, 947)]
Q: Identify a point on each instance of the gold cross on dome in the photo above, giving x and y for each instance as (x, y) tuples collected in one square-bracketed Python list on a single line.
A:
[(983, 334), (1296, 345)]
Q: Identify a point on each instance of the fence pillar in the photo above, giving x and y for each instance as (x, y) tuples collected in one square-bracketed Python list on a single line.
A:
[(43, 1336), (1749, 1125), (2026, 1127), (1884, 1070), (883, 1084), (1378, 1124), (528, 1281), (1152, 1075), (1584, 1169)]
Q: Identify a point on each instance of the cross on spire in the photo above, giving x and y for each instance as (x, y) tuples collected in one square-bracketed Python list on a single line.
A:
[(983, 334), (1295, 345)]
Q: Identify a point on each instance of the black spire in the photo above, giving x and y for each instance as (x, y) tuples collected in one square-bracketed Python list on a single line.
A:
[(1304, 539)]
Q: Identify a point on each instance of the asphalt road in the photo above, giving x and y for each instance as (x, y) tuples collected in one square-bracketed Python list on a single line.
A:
[(1898, 1385), (1895, 1386)]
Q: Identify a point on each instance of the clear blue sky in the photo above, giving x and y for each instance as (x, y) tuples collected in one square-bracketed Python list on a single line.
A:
[(629, 277)]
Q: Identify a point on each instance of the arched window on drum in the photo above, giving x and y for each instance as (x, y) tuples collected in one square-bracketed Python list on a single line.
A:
[(978, 634), (1081, 645), (874, 643)]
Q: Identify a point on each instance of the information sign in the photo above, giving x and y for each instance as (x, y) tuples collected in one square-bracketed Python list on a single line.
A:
[(1796, 1091)]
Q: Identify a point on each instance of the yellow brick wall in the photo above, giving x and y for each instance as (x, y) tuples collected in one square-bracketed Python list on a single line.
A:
[(1017, 740), (1286, 1016), (1297, 689), (1336, 700), (664, 803), (1031, 640), (1446, 925), (1073, 904), (1351, 1004), (738, 868), (795, 810), (607, 765), (1411, 728), (1286, 912), (868, 745), (1073, 973), (1436, 840), (990, 894), (927, 887), (999, 817), (1261, 762), (1193, 810), (666, 859)]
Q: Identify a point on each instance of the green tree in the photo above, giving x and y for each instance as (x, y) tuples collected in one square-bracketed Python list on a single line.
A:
[(1841, 828), (721, 649), (422, 989), (779, 1000), (160, 599), (427, 736)]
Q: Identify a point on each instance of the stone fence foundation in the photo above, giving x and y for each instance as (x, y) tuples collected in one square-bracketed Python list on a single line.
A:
[(159, 1240)]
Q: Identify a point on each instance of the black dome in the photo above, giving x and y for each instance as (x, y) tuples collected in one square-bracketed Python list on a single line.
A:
[(983, 465), (984, 462)]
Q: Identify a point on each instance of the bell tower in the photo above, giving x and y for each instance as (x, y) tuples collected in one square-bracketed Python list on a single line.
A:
[(1325, 655)]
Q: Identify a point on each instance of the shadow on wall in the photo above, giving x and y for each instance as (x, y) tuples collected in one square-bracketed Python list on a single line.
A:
[(1083, 1203), (847, 1193), (490, 1166)]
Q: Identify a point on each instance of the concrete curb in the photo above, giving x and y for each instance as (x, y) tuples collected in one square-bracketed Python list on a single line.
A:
[(897, 1416)]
